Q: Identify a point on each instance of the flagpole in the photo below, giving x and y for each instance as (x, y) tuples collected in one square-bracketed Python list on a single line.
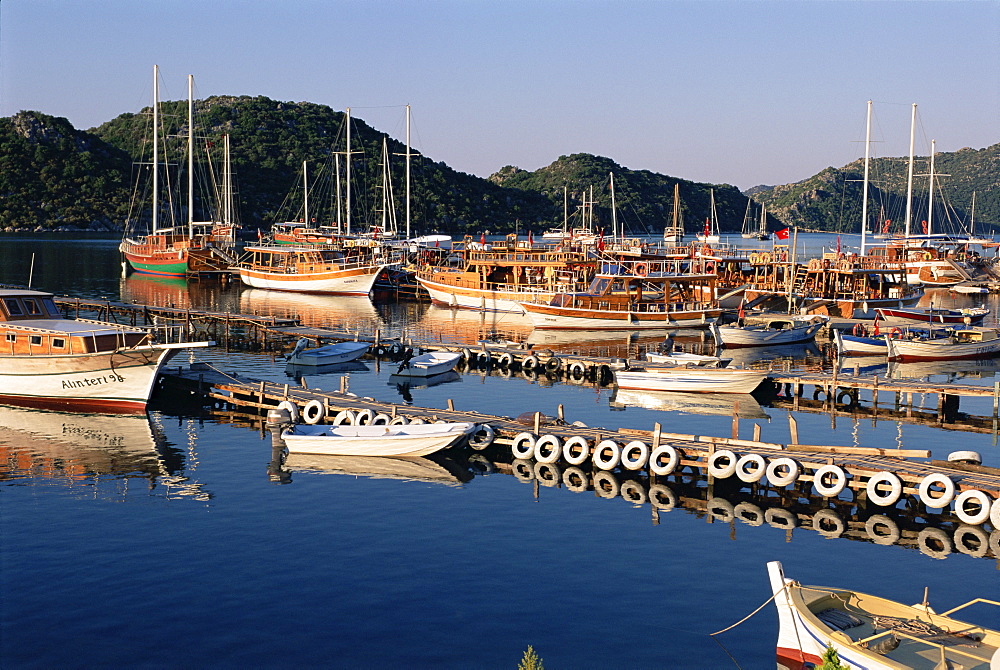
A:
[(791, 268)]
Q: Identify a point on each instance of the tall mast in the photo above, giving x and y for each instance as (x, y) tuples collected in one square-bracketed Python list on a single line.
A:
[(348, 172), (340, 215), (909, 173), (190, 156), (156, 147), (864, 194), (305, 195), (407, 172), (566, 207), (227, 185), (972, 221), (930, 199), (614, 217)]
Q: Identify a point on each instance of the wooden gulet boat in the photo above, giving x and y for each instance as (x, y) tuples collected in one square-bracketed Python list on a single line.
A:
[(333, 270), (631, 295), (871, 632), (49, 361)]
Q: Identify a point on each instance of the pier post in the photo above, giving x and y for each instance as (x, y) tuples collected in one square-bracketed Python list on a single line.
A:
[(756, 432), (736, 420), (996, 398), (793, 428)]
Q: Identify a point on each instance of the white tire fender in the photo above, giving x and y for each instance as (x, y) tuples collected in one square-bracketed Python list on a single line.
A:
[(607, 455), (313, 412), (974, 517), (576, 450), (722, 464), (656, 463), (635, 455), (838, 480), (523, 445), (548, 449), (789, 466), (932, 500), (751, 467), (884, 499)]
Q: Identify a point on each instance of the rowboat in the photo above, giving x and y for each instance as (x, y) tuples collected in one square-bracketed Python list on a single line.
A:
[(429, 364), (50, 361), (871, 632), (340, 352), (697, 380), (975, 315), (780, 330), (684, 358), (849, 344), (956, 343), (369, 440)]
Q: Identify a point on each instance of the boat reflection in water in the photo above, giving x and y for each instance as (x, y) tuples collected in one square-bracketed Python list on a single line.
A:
[(299, 371), (351, 313), (621, 343), (166, 292), (864, 365), (951, 370), (434, 469), (404, 384), (466, 326), (788, 354), (725, 404), (82, 448)]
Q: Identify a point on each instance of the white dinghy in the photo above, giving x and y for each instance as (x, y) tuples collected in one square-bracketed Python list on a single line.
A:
[(341, 352), (694, 379), (379, 440), (429, 364)]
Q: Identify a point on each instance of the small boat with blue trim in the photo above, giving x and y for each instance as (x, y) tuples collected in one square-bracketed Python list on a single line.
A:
[(340, 352)]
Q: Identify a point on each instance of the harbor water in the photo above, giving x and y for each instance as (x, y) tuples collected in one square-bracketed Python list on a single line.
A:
[(177, 540)]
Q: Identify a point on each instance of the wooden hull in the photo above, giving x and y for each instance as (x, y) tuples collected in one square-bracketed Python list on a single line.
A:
[(937, 316), (570, 318), (482, 299), (415, 440), (355, 281), (166, 263), (120, 381), (698, 380), (811, 618), (941, 349)]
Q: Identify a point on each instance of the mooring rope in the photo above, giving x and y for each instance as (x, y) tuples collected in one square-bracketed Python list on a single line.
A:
[(762, 606)]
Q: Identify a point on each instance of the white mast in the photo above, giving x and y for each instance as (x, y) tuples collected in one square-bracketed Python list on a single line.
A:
[(864, 195), (340, 215), (909, 174), (614, 217), (566, 208), (348, 171), (190, 156), (305, 195), (156, 146), (407, 172), (930, 201), (972, 221), (227, 186)]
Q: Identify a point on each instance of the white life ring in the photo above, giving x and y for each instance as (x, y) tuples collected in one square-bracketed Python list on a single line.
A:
[(523, 445), (972, 518), (751, 467), (399, 420), (292, 408), (381, 419), (635, 455), (884, 499), (344, 418), (313, 412), (547, 474), (548, 449), (828, 523), (749, 514), (576, 450), (364, 417), (505, 360), (633, 492), (727, 467), (981, 541), (838, 476), (775, 468), (928, 498), (606, 484), (611, 461), (721, 509), (530, 363), (777, 517), (928, 535), (577, 369), (655, 460), (662, 497), (482, 436), (574, 479), (874, 527)]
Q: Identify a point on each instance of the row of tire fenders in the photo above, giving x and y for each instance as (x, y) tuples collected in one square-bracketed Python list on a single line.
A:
[(880, 529), (936, 490)]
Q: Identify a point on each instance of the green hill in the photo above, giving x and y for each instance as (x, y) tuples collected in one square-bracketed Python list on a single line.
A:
[(832, 199)]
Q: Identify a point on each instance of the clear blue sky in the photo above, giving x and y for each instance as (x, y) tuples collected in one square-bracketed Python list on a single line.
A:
[(744, 93)]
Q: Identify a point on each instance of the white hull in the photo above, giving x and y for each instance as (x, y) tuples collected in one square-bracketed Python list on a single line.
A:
[(118, 381), (940, 349), (428, 365), (403, 440), (491, 301), (750, 336), (852, 345), (699, 380), (330, 354), (348, 282)]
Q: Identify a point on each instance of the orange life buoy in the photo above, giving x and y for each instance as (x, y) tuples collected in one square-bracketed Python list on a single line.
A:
[(520, 270), (641, 269), (859, 330), (896, 334)]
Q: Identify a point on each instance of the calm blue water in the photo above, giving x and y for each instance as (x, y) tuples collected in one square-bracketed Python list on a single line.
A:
[(170, 541)]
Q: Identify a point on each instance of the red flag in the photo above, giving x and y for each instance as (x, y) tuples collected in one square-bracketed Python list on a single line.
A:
[(878, 317), (838, 245), (600, 240), (781, 234), (260, 235), (531, 240), (482, 238), (741, 314)]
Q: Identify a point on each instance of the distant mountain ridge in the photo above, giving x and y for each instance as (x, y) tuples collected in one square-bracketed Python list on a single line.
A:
[(55, 177)]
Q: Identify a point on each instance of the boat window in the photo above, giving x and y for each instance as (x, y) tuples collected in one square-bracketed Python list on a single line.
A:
[(13, 306), (36, 340), (11, 337), (599, 285), (58, 343), (50, 306), (31, 306)]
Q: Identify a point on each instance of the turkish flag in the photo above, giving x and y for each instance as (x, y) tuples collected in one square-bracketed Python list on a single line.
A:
[(781, 234)]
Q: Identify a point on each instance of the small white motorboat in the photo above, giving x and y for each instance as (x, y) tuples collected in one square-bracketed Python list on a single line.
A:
[(871, 632), (684, 358), (956, 343), (698, 380), (381, 440), (429, 364), (778, 330), (341, 352), (859, 343)]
